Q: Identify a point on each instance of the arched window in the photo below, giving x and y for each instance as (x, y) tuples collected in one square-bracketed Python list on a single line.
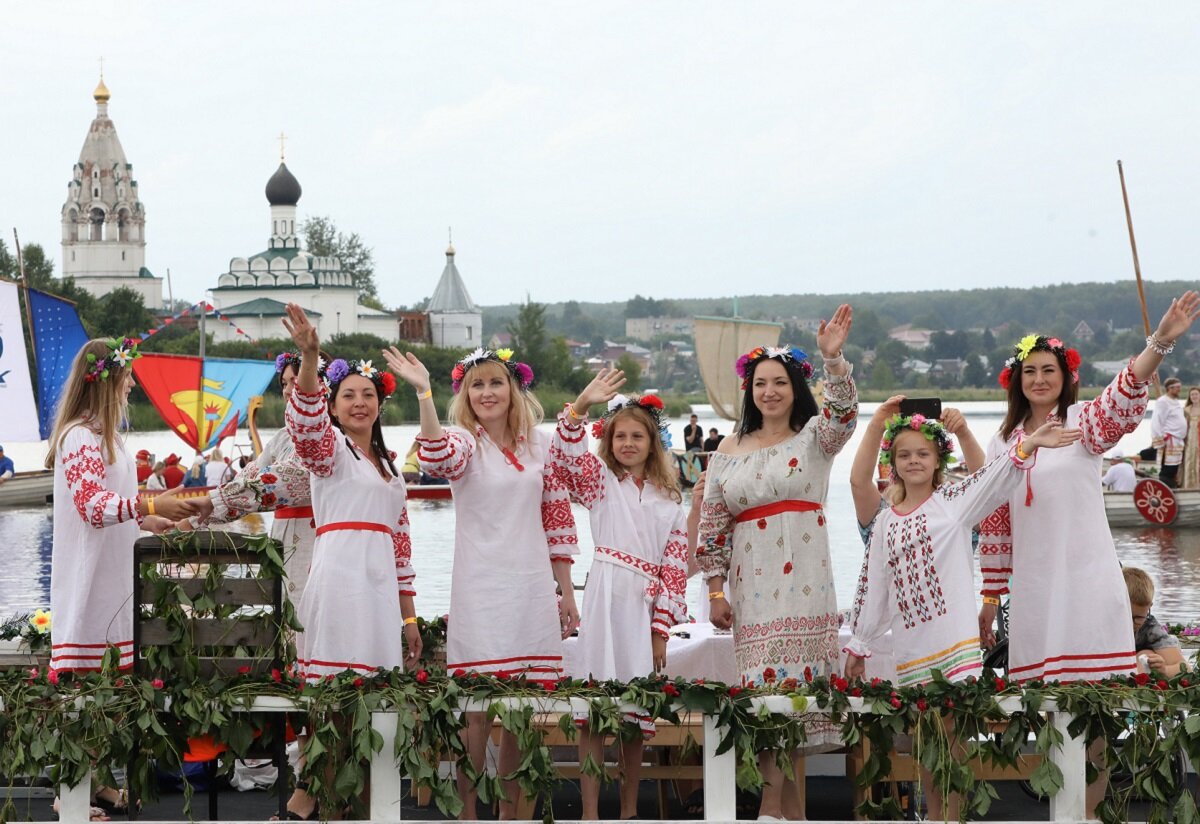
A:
[(97, 221), (123, 226)]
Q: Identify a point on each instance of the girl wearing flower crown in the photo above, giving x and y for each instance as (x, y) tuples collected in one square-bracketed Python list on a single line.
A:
[(920, 581), (362, 557), (97, 513), (1052, 534), (763, 529), (513, 535), (637, 586)]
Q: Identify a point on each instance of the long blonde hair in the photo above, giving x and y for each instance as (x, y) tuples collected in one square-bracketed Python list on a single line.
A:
[(524, 410), (99, 401), (660, 469)]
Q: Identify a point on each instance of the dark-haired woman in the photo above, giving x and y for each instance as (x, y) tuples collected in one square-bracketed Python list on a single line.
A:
[(1068, 606), (360, 586), (763, 528)]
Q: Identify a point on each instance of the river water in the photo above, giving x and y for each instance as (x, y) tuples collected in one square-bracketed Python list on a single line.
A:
[(1172, 557)]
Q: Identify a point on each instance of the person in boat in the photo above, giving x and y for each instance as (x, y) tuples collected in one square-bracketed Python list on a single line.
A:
[(155, 481), (713, 441), (1191, 446), (7, 468), (218, 470), (196, 475), (1169, 428), (1160, 649), (763, 530), (173, 474), (514, 536), (362, 554), (1052, 534), (1120, 476), (637, 587), (920, 576), (97, 515), (142, 459)]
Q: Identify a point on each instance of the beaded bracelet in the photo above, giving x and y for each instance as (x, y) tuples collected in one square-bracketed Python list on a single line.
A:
[(1158, 347)]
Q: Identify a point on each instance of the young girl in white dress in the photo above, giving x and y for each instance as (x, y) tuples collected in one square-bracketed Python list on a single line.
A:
[(637, 586), (514, 536), (920, 566), (97, 512)]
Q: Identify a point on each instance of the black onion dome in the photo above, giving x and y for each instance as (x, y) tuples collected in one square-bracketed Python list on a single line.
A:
[(283, 189)]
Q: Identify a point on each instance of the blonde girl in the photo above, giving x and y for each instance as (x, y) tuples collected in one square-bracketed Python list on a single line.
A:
[(636, 588)]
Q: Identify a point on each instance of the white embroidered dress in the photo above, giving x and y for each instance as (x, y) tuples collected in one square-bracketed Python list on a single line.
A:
[(638, 580), (1068, 607), (920, 578), (762, 527), (350, 607), (276, 482), (512, 519), (91, 567)]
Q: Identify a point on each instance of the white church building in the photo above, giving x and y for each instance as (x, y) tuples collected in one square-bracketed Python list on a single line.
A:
[(454, 319), (255, 290), (103, 222)]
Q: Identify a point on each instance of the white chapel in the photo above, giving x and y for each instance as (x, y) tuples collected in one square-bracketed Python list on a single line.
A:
[(255, 290), (103, 222)]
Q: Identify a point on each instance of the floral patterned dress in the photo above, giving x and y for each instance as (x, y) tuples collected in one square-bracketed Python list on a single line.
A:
[(275, 481), (362, 557), (1191, 448), (762, 527), (91, 568), (512, 519), (1068, 606)]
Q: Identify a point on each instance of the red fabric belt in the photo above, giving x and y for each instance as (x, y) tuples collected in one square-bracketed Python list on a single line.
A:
[(767, 510), (362, 526), (294, 512)]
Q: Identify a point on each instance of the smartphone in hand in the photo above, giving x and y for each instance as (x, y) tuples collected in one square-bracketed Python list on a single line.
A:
[(931, 408)]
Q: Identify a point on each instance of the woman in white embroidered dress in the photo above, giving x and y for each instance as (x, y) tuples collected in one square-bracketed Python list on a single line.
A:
[(514, 536), (97, 512), (763, 528), (637, 586), (920, 580), (360, 586), (1068, 606)]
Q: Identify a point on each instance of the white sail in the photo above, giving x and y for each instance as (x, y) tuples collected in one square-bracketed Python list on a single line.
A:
[(719, 343), (19, 420)]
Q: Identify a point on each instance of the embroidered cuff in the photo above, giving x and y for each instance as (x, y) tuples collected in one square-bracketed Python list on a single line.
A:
[(857, 648)]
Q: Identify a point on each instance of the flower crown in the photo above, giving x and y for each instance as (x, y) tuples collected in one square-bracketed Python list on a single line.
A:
[(1039, 343), (651, 403), (121, 353), (341, 369), (931, 429), (745, 364), (285, 359), (520, 371)]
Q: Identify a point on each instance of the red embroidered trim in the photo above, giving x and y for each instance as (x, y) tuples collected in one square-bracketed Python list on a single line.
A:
[(94, 646), (639, 564), (1056, 658), (466, 664), (294, 512), (363, 526)]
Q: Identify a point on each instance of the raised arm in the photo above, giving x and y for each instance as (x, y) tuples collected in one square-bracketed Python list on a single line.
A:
[(410, 370), (840, 409), (1175, 321), (866, 459), (581, 472), (956, 424)]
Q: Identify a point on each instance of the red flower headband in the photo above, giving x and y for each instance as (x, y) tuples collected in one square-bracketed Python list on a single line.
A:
[(1039, 343)]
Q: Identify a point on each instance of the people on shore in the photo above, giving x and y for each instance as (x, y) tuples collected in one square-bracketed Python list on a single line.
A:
[(514, 536), (920, 571), (1052, 534), (713, 441), (693, 435), (1191, 445), (97, 513), (763, 529), (1169, 429), (637, 587), (1158, 650)]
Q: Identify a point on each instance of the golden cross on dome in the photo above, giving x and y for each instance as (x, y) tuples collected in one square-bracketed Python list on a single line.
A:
[(282, 139), (101, 68)]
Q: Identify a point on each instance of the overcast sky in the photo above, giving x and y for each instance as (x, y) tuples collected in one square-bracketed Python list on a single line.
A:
[(598, 150)]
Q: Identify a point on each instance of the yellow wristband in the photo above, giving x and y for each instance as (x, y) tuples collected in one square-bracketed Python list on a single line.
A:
[(1021, 452), (713, 596), (428, 393), (150, 505), (987, 599), (571, 412), (408, 621)]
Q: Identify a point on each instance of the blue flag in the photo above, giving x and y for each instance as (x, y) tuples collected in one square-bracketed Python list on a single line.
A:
[(58, 335)]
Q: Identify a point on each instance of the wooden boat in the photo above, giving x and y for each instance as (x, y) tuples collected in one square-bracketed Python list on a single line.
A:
[(28, 489), (1121, 509)]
